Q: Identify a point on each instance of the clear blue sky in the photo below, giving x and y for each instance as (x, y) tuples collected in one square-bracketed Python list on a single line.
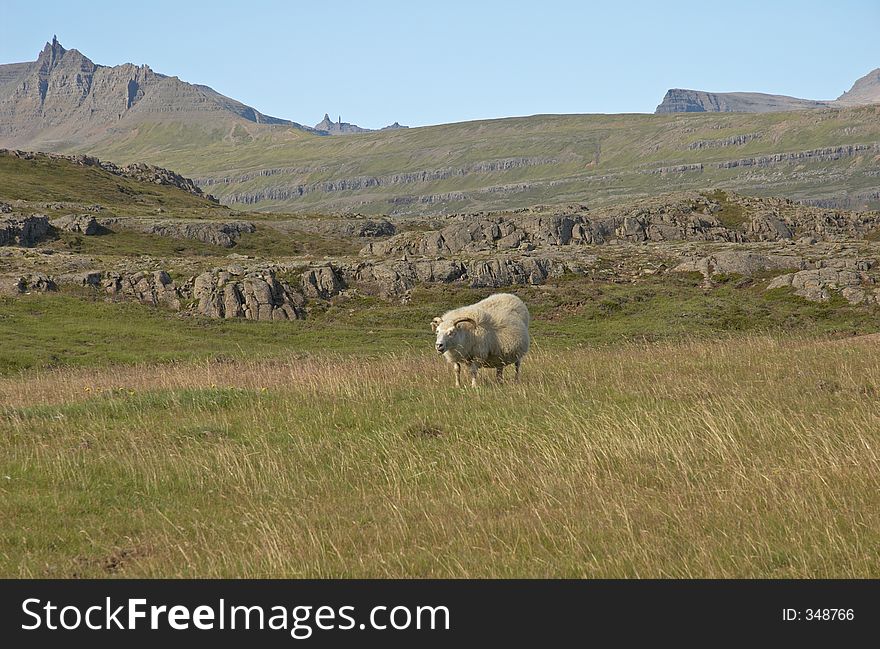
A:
[(447, 61)]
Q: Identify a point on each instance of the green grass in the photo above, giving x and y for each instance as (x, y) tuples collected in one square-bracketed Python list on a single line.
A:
[(132, 244), (47, 180), (40, 331), (266, 243), (661, 430), (689, 459)]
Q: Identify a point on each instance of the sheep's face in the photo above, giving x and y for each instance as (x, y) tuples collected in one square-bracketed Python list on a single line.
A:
[(449, 334), (446, 336)]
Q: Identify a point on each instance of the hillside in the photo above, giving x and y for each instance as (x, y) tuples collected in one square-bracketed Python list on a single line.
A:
[(48, 178), (826, 157)]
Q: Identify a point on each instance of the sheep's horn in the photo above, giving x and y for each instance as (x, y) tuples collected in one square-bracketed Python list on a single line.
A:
[(471, 320)]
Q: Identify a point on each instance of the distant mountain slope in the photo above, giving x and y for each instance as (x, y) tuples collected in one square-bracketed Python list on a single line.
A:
[(864, 91), (677, 100), (826, 156), (64, 99)]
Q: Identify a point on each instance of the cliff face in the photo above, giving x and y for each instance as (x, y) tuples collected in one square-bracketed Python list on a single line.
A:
[(678, 100), (63, 97)]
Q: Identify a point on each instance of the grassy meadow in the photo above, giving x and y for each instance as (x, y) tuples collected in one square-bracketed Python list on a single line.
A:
[(659, 431)]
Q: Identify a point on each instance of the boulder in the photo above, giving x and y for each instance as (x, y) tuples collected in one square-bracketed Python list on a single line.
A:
[(818, 284), (323, 282), (23, 231), (84, 224), (33, 283)]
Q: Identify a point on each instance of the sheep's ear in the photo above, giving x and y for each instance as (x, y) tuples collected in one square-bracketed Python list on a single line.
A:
[(435, 323)]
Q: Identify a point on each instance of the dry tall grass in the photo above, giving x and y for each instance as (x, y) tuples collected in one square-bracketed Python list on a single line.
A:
[(750, 457)]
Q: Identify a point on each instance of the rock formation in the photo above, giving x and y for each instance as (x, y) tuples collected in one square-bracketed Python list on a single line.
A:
[(23, 230), (85, 224), (254, 295), (864, 91), (216, 233), (328, 127)]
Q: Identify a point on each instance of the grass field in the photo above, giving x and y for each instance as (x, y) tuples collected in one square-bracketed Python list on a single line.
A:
[(749, 457), (659, 431)]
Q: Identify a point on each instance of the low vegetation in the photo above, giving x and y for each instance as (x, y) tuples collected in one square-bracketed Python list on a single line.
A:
[(684, 459)]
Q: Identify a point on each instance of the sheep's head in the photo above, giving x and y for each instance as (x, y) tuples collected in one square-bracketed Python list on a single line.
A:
[(449, 332)]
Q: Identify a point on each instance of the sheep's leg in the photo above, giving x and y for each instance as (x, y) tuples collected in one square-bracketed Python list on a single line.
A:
[(473, 368), (516, 378), (499, 374), (457, 367)]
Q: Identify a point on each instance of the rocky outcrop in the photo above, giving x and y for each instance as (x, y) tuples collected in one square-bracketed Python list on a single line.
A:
[(347, 227), (523, 231), (741, 263), (322, 282), (850, 277), (733, 140), (216, 233), (328, 127), (33, 283), (825, 154), (254, 295), (685, 217), (395, 278), (154, 288), (84, 224), (24, 231)]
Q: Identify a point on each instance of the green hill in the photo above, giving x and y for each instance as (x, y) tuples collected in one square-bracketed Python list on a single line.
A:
[(826, 157), (48, 179)]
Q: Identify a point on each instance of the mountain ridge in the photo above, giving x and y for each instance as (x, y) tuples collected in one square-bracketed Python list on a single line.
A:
[(63, 96), (865, 91)]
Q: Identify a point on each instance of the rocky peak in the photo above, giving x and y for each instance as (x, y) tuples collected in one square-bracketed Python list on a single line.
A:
[(51, 54), (338, 127)]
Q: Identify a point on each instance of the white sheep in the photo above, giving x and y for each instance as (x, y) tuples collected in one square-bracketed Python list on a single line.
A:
[(491, 333)]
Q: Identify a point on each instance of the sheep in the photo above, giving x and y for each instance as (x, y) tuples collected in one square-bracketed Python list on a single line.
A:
[(491, 333)]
